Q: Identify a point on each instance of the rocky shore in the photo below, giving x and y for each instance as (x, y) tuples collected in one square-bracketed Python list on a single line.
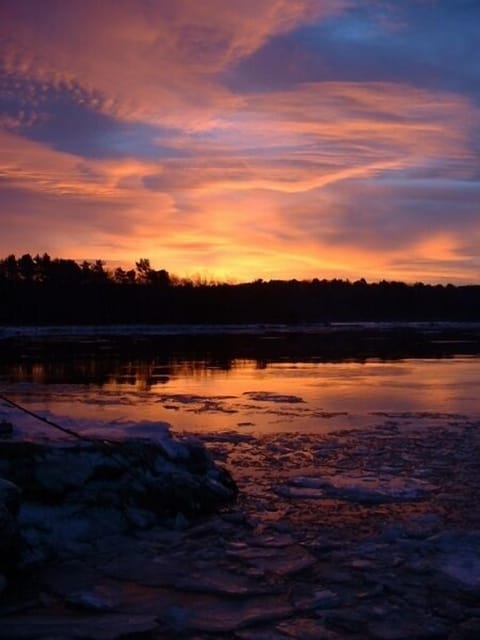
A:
[(361, 534)]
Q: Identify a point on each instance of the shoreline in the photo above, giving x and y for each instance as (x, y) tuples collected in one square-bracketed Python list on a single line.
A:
[(153, 330), (371, 534)]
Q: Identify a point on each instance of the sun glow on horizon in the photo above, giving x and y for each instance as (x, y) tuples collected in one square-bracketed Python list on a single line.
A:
[(267, 140)]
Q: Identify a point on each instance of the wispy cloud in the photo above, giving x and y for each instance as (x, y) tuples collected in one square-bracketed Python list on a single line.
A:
[(191, 133)]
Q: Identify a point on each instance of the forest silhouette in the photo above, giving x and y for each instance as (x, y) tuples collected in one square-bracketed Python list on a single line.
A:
[(44, 290)]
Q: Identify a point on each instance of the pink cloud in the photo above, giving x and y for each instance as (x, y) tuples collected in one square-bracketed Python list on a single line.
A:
[(266, 184), (142, 60)]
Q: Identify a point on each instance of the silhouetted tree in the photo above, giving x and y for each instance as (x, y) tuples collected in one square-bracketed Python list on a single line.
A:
[(42, 289), (42, 267), (147, 275), (65, 272), (143, 270), (120, 276), (98, 273), (11, 269), (26, 267)]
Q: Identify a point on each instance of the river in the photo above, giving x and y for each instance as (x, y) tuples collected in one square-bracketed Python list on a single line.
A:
[(265, 381)]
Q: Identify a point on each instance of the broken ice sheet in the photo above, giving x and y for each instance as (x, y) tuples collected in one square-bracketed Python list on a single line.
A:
[(281, 561), (363, 489), (228, 616), (220, 582), (269, 396)]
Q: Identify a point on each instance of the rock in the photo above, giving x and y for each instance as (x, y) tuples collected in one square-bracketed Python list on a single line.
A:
[(76, 494), (9, 531)]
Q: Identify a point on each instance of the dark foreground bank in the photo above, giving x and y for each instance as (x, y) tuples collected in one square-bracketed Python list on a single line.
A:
[(366, 534)]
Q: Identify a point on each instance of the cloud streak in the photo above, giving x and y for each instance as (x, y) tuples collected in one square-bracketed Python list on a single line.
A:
[(136, 128)]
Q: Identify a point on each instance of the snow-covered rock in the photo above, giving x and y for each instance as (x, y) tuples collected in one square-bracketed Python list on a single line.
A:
[(73, 494)]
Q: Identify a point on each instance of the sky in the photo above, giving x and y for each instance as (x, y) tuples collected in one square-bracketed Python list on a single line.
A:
[(270, 139)]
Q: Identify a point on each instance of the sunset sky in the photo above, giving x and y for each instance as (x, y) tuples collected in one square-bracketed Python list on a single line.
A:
[(243, 140)]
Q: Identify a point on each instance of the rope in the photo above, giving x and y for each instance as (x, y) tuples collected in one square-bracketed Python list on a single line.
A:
[(105, 445), (70, 432)]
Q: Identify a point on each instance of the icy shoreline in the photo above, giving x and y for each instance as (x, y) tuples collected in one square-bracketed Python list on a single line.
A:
[(65, 331), (58, 498), (363, 535)]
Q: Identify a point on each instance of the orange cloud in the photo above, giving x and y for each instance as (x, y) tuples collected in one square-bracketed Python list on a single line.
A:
[(280, 183), (141, 60), (319, 134), (222, 207)]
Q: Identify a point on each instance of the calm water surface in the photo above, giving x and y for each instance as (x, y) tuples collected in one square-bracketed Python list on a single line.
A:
[(245, 395)]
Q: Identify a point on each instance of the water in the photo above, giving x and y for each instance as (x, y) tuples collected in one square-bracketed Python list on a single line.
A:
[(103, 389)]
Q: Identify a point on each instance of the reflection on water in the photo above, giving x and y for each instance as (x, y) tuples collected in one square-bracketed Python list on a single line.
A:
[(245, 394)]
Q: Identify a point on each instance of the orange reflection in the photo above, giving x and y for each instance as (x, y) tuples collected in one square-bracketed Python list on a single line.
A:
[(284, 397)]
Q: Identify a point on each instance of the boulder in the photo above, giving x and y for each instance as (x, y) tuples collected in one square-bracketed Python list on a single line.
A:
[(75, 493)]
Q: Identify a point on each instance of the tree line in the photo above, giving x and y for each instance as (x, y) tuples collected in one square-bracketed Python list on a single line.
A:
[(45, 290), (44, 269)]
